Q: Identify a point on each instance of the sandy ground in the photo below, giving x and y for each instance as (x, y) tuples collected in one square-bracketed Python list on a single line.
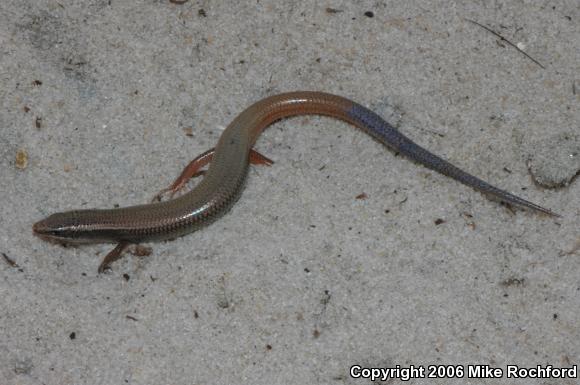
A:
[(104, 102)]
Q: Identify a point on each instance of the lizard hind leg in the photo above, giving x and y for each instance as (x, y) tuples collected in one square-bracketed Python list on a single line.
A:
[(194, 169)]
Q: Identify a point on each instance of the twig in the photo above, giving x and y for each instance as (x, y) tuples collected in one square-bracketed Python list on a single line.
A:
[(9, 261), (507, 41)]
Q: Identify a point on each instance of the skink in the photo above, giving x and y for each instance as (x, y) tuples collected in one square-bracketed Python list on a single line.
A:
[(228, 167)]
